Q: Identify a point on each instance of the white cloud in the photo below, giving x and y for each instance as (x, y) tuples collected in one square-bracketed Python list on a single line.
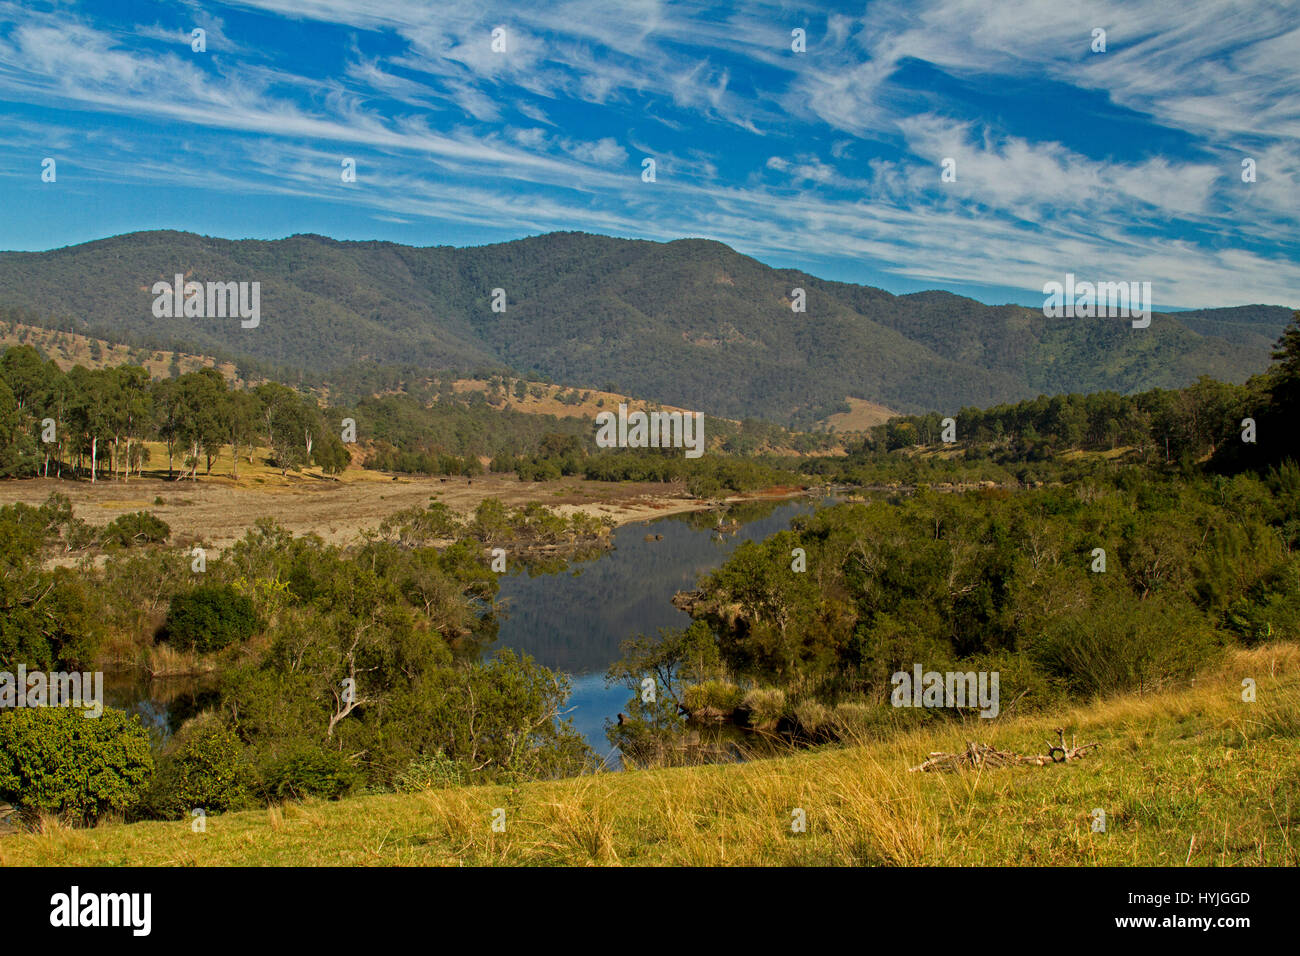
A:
[(445, 126)]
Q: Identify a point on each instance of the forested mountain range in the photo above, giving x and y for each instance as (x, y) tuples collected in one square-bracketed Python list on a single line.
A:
[(691, 323)]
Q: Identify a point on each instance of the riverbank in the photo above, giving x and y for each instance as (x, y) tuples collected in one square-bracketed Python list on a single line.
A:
[(1189, 776), (216, 511)]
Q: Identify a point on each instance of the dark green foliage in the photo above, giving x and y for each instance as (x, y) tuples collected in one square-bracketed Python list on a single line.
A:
[(1270, 608), (1123, 643), (135, 529), (405, 623), (585, 310), (17, 446), (303, 770), (210, 618), (331, 454), (47, 616), (56, 760), (204, 768), (1158, 425), (986, 580)]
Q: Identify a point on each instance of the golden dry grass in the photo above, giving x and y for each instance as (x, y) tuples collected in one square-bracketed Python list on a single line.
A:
[(1193, 775)]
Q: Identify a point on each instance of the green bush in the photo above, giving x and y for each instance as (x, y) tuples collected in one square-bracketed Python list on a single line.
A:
[(204, 769), (304, 770), (1270, 609), (1124, 644), (765, 706), (712, 694), (434, 771), (138, 528), (209, 618), (56, 760)]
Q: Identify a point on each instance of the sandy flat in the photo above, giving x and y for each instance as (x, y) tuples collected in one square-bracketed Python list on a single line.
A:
[(216, 511)]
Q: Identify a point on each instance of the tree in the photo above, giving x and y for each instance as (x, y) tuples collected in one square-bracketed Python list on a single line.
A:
[(202, 401), (286, 424), (168, 413), (26, 374), (54, 403), (17, 450), (91, 411), (133, 410), (331, 454), (240, 419), (1285, 394)]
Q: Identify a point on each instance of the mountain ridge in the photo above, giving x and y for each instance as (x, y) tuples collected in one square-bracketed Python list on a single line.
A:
[(689, 322)]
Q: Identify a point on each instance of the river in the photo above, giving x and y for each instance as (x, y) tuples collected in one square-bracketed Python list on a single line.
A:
[(571, 620), (574, 620)]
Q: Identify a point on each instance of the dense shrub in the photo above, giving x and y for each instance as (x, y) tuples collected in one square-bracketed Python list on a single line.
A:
[(1123, 644), (138, 528), (209, 618), (56, 760), (1270, 610), (204, 768), (304, 770)]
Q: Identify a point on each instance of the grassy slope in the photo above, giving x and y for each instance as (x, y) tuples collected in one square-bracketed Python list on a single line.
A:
[(1183, 775), (67, 349)]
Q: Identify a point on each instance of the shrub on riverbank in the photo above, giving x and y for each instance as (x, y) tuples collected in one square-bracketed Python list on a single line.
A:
[(210, 618), (57, 760)]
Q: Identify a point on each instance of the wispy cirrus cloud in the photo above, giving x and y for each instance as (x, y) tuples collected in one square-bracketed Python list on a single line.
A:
[(1125, 162)]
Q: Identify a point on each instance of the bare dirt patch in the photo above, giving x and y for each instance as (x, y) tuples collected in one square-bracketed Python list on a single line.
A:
[(216, 511)]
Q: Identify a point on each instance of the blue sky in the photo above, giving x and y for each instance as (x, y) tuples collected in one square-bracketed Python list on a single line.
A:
[(1123, 164)]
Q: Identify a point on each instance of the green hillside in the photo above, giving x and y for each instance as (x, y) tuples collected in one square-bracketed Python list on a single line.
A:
[(691, 323)]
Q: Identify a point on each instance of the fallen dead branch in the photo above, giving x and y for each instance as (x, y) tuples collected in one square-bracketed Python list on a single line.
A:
[(983, 755)]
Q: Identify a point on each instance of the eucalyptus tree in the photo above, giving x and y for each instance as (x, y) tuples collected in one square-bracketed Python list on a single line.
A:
[(16, 451), (90, 412), (287, 424), (134, 413), (239, 418), (167, 415), (202, 397)]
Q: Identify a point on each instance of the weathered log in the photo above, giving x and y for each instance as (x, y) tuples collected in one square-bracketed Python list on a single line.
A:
[(983, 755)]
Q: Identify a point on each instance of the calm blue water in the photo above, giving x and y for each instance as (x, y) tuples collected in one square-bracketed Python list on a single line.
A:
[(574, 620), (571, 620)]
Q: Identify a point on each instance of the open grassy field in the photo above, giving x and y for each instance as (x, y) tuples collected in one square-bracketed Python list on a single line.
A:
[(215, 510), (861, 416), (1185, 776)]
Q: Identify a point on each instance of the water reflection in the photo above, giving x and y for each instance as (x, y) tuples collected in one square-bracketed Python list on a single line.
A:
[(162, 703), (575, 622), (570, 619)]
